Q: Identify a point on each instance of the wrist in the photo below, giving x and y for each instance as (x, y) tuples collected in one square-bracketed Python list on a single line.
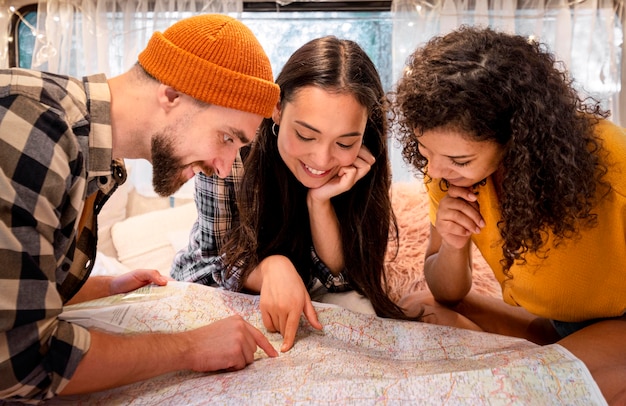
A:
[(451, 249), (179, 347), (254, 281), (316, 201)]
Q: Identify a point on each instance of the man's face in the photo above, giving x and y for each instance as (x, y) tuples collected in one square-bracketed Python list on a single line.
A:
[(206, 139)]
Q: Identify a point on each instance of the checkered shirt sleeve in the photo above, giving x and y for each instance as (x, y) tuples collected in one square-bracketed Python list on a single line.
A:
[(217, 210), (333, 283), (45, 127)]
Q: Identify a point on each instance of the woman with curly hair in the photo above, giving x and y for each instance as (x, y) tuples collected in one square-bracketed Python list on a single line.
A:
[(311, 200), (516, 162)]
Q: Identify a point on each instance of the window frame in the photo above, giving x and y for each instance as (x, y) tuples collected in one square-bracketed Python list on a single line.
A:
[(13, 29)]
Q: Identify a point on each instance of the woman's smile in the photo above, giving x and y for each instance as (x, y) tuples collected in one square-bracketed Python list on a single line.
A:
[(315, 172)]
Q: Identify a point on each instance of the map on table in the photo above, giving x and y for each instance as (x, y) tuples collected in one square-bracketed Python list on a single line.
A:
[(356, 359)]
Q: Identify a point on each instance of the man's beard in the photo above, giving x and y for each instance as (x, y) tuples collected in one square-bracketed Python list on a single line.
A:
[(166, 166)]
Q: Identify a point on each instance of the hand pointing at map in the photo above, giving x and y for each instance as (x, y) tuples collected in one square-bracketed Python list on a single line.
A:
[(283, 298)]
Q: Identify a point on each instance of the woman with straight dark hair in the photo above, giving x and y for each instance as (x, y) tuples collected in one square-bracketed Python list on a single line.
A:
[(312, 197)]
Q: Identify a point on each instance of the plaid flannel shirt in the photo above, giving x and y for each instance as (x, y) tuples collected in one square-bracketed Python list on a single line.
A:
[(201, 262), (55, 153)]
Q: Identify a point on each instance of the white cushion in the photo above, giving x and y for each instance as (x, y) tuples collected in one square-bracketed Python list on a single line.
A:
[(145, 241)]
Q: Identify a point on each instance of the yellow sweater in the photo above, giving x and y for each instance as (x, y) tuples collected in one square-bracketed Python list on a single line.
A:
[(581, 279)]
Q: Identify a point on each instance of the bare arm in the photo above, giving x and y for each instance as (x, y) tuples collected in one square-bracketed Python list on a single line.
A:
[(325, 233), (448, 262), (96, 287), (495, 316), (448, 270), (322, 217), (115, 360)]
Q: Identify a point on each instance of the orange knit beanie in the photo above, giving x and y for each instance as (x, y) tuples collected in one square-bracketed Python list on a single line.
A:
[(216, 59)]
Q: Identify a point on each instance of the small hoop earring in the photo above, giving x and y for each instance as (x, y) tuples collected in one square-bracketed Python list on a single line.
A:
[(274, 130)]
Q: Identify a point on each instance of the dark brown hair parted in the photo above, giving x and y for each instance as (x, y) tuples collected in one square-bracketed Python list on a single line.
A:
[(272, 202), (507, 89)]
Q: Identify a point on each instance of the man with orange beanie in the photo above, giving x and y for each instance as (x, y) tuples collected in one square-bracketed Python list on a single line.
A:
[(197, 94)]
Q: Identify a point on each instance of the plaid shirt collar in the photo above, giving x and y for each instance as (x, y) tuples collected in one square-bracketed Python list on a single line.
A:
[(104, 173)]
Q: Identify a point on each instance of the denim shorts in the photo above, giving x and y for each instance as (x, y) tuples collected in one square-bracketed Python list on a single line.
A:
[(565, 328)]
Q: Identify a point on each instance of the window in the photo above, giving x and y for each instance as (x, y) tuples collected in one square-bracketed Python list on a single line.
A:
[(371, 27)]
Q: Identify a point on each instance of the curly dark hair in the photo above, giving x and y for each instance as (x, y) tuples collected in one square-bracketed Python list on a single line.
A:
[(272, 202), (508, 89)]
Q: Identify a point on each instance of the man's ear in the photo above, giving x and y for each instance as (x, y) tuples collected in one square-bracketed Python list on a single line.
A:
[(168, 97), (276, 113)]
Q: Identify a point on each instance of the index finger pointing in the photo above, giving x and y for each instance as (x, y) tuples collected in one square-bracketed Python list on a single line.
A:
[(291, 327), (262, 341)]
